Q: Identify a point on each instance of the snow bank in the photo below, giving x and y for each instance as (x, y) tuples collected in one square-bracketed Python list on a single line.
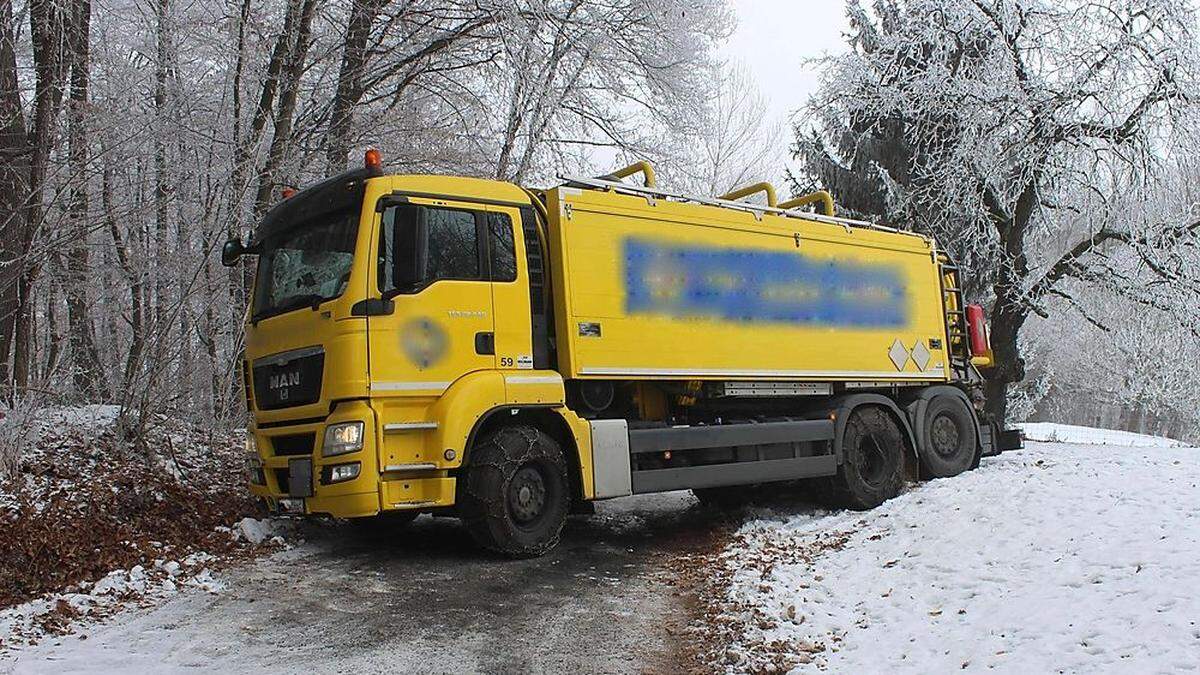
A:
[(1069, 433), (1058, 558), (256, 531), (162, 515), (28, 623)]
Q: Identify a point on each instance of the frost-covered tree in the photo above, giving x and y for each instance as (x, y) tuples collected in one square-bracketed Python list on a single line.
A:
[(572, 76), (732, 142), (1026, 135), (135, 135)]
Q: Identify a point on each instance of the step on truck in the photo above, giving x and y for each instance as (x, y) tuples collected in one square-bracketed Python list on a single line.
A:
[(467, 347)]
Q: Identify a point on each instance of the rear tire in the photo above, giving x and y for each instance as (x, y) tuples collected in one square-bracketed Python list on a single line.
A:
[(516, 493), (949, 442), (872, 468)]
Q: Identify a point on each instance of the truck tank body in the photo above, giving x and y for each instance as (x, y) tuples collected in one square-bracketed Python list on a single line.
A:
[(657, 289)]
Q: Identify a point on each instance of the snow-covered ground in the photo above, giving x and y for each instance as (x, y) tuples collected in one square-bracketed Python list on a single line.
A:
[(87, 603), (93, 521), (1068, 433), (1061, 557), (1058, 558)]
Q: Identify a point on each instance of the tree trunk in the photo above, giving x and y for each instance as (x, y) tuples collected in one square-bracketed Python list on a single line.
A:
[(47, 21), (289, 91), (136, 313), (14, 174), (161, 185), (87, 374), (23, 341), (56, 338), (1011, 309), (1009, 368), (242, 276), (238, 68), (349, 88)]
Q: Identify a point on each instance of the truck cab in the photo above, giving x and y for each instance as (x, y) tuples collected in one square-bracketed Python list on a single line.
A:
[(390, 316)]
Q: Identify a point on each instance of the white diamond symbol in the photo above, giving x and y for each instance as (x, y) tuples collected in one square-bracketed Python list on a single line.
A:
[(898, 354), (920, 354)]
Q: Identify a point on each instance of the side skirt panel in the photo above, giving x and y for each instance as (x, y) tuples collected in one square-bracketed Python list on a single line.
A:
[(736, 473)]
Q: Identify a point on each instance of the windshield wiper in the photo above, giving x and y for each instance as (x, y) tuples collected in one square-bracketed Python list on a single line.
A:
[(290, 303)]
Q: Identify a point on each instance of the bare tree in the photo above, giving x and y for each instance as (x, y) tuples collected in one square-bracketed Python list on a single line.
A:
[(350, 80), (582, 75), (14, 177), (88, 376), (734, 141), (136, 136)]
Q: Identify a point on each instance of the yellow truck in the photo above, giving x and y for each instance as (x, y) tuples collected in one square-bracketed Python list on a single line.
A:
[(458, 346)]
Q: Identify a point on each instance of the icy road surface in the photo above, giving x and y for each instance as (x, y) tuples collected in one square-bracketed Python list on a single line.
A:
[(1058, 558), (429, 603)]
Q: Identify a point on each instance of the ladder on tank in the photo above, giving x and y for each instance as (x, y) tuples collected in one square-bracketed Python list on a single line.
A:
[(958, 346)]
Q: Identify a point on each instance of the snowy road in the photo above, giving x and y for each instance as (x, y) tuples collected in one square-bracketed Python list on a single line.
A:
[(598, 603), (1058, 558)]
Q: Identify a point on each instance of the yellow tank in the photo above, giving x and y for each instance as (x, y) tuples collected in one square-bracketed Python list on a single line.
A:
[(648, 287)]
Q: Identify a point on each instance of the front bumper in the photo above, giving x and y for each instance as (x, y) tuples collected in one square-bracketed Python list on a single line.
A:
[(369, 493)]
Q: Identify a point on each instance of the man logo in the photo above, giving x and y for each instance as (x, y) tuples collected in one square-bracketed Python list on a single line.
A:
[(423, 341), (279, 383), (284, 380)]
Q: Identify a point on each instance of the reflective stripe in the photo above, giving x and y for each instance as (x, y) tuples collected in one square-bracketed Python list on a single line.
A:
[(533, 379), (423, 466), (409, 386), (933, 373), (409, 426)]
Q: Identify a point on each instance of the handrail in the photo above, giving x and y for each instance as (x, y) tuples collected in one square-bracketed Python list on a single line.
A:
[(819, 196), (750, 190), (626, 188), (643, 167)]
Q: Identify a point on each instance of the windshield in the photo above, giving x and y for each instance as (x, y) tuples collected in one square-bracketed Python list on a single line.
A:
[(305, 265)]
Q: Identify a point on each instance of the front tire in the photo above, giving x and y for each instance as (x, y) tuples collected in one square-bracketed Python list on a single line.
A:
[(872, 469), (516, 494)]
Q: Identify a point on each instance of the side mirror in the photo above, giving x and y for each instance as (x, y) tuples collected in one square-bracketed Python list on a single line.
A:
[(231, 251), (410, 246)]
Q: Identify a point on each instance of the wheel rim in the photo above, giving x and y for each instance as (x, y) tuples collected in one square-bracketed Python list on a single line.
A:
[(944, 436), (872, 463), (527, 495)]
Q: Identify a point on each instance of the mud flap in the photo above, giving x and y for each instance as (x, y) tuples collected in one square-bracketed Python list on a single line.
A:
[(993, 441), (1012, 439)]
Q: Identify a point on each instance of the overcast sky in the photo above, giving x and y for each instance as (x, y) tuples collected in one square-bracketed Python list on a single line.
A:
[(774, 36)]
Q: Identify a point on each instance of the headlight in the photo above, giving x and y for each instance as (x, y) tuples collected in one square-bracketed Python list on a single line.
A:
[(342, 438), (340, 473)]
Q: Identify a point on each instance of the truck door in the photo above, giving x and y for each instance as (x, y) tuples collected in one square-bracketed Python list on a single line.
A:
[(440, 328), (510, 288)]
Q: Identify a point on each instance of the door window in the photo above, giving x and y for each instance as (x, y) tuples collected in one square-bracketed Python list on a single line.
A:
[(501, 250), (452, 245)]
